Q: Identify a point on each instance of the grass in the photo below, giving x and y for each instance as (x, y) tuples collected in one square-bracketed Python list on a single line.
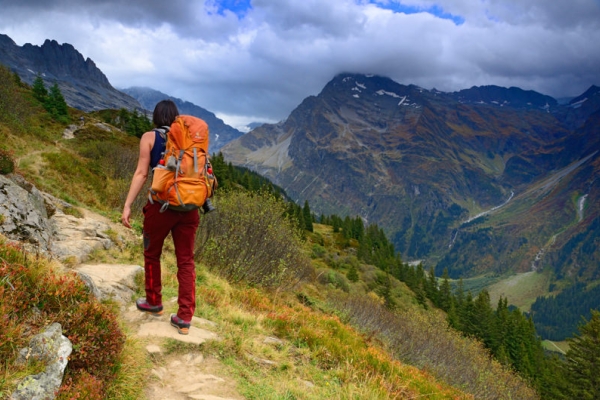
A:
[(561, 347), (521, 290)]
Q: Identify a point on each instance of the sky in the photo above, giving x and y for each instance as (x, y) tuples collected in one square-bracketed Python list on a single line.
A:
[(256, 60)]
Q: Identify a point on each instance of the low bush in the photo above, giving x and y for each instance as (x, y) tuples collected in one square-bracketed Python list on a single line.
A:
[(85, 386), (7, 162), (33, 295), (249, 239), (425, 341)]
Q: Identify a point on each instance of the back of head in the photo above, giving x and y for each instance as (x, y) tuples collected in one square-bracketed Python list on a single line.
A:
[(165, 113)]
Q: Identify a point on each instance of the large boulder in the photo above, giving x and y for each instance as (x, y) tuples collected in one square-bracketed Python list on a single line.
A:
[(23, 213), (51, 348)]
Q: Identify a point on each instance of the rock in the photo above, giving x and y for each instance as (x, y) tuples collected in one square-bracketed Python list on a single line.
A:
[(110, 281), (273, 340), (89, 282), (75, 238), (24, 214), (52, 348), (153, 349), (69, 132), (161, 327)]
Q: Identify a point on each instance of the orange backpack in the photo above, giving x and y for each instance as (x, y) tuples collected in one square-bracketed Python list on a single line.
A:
[(183, 179)]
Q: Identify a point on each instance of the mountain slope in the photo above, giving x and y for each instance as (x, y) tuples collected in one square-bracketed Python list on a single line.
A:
[(220, 133), (420, 163), (82, 84)]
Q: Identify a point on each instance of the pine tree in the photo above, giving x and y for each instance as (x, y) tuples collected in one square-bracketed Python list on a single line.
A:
[(55, 103), (336, 222), (583, 360), (39, 90), (483, 319), (431, 287), (445, 293), (308, 223), (299, 217)]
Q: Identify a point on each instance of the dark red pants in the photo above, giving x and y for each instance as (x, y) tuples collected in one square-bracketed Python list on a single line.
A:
[(183, 226)]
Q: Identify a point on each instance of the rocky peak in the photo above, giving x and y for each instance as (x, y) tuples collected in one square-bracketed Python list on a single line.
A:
[(593, 93), (505, 97), (81, 82)]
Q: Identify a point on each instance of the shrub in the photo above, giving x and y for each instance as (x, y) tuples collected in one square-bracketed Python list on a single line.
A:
[(7, 162), (31, 294), (352, 274), (425, 341), (96, 337), (85, 386), (318, 251), (249, 239)]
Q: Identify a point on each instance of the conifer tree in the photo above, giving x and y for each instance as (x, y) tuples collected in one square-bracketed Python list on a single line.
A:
[(56, 104), (39, 90), (431, 287), (483, 318), (299, 217), (336, 222), (583, 360), (445, 292), (308, 222)]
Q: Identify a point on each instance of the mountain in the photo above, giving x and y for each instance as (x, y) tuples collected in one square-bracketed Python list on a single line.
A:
[(82, 84), (512, 97), (220, 132), (423, 164)]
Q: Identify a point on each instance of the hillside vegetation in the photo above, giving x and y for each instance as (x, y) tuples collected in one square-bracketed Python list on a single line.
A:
[(352, 321)]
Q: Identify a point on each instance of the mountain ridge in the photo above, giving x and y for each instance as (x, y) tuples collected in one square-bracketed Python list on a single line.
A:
[(220, 133), (82, 84), (421, 162)]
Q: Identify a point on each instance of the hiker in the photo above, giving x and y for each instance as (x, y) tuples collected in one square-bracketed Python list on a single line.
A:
[(181, 224)]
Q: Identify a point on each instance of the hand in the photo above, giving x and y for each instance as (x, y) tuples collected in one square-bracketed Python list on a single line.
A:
[(125, 217)]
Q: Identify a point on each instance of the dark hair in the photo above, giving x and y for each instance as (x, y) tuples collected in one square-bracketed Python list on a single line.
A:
[(164, 113)]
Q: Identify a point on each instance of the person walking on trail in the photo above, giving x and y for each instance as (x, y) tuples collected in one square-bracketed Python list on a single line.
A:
[(157, 225)]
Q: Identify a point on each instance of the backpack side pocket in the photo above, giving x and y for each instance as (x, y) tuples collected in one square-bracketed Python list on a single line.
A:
[(161, 177)]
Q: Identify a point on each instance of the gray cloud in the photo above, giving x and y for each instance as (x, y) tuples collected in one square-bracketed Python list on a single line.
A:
[(264, 62)]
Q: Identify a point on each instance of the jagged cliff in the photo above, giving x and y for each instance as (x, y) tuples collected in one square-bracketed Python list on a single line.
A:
[(82, 84)]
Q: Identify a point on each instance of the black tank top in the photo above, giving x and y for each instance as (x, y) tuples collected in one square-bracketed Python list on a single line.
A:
[(158, 149)]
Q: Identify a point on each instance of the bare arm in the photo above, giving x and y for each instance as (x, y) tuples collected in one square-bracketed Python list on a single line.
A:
[(140, 175)]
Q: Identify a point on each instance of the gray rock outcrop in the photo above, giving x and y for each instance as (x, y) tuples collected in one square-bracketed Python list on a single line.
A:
[(51, 348), (36, 220), (23, 213)]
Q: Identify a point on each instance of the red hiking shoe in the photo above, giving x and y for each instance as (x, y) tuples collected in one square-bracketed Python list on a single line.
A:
[(143, 306), (183, 327)]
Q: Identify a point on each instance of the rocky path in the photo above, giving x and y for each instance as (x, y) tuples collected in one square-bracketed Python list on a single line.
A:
[(174, 376)]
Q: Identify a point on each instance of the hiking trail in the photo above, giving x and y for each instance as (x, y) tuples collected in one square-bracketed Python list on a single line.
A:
[(174, 376)]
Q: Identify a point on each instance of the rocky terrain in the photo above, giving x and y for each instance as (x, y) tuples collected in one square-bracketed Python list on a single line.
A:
[(82, 84)]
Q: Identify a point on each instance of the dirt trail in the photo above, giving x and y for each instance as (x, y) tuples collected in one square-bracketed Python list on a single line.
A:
[(180, 376), (175, 375)]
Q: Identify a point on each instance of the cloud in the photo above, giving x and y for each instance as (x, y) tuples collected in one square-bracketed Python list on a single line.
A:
[(259, 59)]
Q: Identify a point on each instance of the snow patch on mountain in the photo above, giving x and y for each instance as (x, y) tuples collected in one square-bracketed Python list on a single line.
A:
[(578, 103)]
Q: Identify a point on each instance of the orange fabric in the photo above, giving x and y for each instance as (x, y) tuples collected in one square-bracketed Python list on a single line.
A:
[(189, 186)]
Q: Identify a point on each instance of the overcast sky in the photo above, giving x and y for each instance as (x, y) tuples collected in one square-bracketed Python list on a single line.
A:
[(256, 60)]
